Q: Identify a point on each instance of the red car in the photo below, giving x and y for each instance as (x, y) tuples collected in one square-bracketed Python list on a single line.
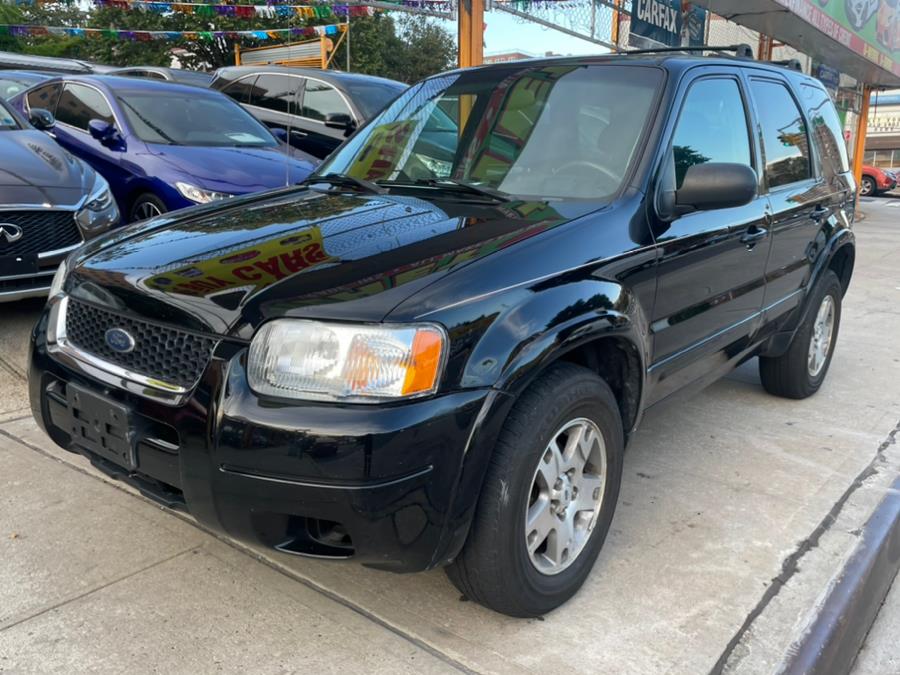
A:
[(875, 181)]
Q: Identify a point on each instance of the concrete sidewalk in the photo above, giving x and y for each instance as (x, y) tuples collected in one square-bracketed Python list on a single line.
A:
[(736, 511)]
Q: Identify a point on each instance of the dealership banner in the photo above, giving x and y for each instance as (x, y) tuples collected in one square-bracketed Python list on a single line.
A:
[(870, 28), (655, 23)]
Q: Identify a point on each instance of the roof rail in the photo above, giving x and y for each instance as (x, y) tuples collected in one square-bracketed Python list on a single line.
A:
[(790, 64), (742, 51)]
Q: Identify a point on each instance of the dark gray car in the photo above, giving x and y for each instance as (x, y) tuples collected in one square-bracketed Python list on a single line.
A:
[(50, 202)]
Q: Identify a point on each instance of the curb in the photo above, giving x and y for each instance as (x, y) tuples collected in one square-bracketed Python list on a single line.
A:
[(845, 616)]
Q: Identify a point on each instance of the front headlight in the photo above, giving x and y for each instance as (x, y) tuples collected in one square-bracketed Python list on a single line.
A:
[(100, 210), (56, 286), (312, 360), (200, 195)]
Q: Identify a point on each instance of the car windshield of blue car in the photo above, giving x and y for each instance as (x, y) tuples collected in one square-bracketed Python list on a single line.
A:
[(564, 131), (182, 119)]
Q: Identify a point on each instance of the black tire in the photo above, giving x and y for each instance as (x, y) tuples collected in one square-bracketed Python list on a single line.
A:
[(143, 204), (789, 375), (494, 567), (867, 187)]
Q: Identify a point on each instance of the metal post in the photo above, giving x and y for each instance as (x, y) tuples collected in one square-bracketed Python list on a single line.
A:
[(471, 33), (862, 126), (347, 39)]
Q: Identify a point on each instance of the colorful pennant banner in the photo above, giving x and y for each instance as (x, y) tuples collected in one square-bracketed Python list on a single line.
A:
[(243, 11), (149, 35)]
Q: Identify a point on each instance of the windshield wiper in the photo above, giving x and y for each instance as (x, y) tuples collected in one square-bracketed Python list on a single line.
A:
[(451, 185), (346, 180)]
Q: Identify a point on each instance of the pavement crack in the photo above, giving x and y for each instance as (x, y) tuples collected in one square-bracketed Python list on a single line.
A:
[(791, 565), (112, 582)]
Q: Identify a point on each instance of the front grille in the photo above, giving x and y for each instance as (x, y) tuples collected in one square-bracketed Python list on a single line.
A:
[(41, 231), (161, 353)]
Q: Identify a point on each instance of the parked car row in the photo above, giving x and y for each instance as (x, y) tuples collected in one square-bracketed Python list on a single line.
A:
[(153, 140)]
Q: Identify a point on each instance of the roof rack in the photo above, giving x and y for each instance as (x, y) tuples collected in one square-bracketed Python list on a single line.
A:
[(742, 51), (790, 64)]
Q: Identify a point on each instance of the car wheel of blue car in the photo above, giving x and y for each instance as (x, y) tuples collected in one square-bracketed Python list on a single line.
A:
[(147, 206)]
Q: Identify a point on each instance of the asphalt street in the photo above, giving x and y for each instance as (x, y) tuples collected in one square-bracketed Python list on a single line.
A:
[(736, 512)]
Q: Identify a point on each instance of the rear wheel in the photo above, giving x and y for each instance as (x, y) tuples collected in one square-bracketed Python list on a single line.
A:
[(147, 206), (548, 497), (867, 186), (800, 371)]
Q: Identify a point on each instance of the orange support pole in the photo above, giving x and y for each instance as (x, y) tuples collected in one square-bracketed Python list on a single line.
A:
[(862, 127), (471, 33)]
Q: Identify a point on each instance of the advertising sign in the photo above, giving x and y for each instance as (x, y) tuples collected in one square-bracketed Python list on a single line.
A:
[(695, 25), (868, 27), (656, 23)]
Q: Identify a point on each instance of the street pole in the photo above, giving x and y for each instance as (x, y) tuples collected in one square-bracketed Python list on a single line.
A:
[(347, 39), (471, 33), (862, 127)]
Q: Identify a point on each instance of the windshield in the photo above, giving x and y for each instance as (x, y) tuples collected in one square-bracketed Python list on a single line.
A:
[(182, 119), (371, 97), (7, 118), (559, 131)]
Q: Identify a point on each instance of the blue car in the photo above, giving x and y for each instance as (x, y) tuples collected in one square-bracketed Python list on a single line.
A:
[(164, 146)]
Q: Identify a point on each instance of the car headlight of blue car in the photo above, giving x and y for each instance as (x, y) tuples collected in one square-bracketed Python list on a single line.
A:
[(100, 209)]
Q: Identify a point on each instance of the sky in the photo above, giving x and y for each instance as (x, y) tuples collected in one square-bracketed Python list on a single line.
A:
[(507, 33)]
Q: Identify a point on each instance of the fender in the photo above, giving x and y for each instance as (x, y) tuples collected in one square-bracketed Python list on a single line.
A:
[(780, 342), (512, 352)]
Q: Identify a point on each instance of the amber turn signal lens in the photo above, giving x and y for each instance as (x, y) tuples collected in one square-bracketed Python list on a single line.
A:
[(425, 362)]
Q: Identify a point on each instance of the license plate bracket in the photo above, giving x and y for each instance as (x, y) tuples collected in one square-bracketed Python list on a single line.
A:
[(102, 426), (18, 265)]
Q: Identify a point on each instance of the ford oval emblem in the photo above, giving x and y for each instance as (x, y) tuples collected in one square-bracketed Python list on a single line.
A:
[(119, 340)]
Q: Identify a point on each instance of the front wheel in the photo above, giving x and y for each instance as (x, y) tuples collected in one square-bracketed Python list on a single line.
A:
[(147, 206), (548, 497), (867, 187), (800, 371)]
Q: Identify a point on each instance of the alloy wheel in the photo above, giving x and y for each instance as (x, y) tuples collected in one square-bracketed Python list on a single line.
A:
[(147, 210), (566, 494), (820, 342)]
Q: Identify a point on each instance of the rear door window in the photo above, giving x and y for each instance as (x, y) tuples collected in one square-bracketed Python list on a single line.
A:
[(785, 141), (320, 99), (276, 92), (712, 126), (45, 97)]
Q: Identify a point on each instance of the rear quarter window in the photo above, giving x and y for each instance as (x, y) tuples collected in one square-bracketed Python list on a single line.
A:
[(826, 128)]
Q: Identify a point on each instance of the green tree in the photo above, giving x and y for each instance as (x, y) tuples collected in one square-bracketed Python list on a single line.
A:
[(405, 48)]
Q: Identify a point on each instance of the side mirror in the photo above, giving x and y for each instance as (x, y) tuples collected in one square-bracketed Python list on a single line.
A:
[(41, 119), (280, 134), (706, 187), (716, 185), (341, 121), (104, 132)]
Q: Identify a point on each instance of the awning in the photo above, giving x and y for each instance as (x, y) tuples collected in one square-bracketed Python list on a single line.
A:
[(860, 38)]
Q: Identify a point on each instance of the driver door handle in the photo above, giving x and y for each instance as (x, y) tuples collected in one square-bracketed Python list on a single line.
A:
[(754, 235)]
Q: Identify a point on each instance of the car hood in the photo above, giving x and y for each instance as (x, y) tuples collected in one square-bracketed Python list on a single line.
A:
[(236, 170), (35, 170), (294, 253)]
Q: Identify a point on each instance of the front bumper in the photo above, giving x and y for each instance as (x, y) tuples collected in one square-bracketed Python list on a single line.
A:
[(390, 486)]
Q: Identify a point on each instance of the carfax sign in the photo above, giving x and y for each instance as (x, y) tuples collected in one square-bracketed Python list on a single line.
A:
[(655, 23)]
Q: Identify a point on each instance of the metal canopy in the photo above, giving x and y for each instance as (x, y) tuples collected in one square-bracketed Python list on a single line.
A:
[(848, 36)]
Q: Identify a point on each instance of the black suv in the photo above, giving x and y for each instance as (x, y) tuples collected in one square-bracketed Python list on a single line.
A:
[(434, 352)]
